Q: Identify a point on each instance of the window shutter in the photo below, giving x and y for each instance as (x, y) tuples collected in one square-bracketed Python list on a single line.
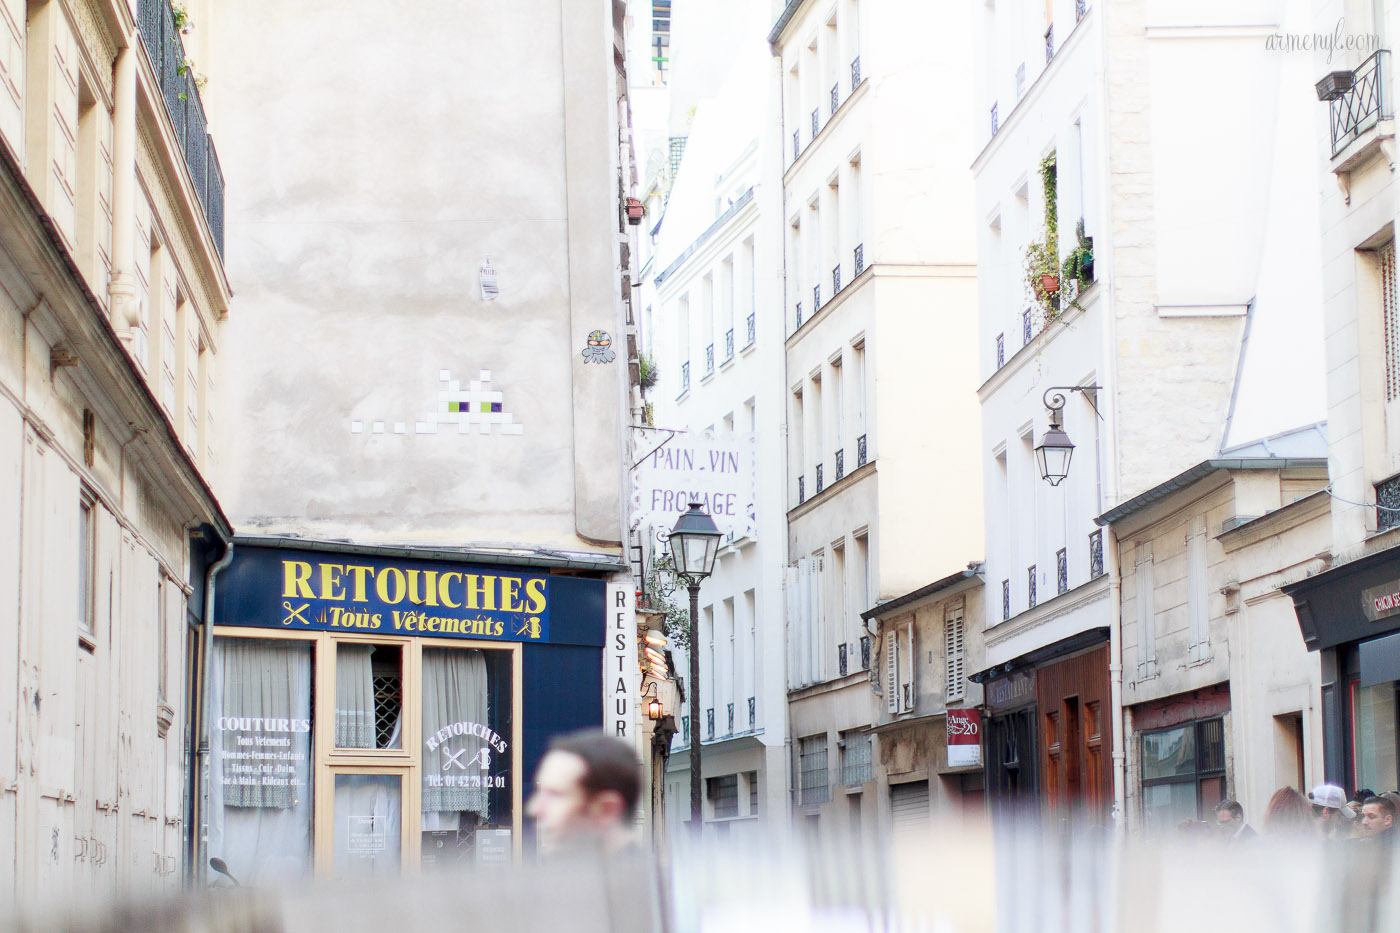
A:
[(953, 660), (892, 671), (1197, 599), (1146, 613), (1390, 308)]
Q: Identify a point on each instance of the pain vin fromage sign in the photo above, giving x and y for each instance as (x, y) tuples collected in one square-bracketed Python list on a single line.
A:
[(324, 595)]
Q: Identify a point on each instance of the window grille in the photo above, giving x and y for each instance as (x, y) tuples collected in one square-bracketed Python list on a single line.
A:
[(709, 358), (1390, 307), (820, 484), (750, 323), (995, 125), (816, 126), (860, 451), (840, 464), (1005, 600), (856, 759), (1001, 350), (841, 661), (1061, 571), (865, 652), (816, 298), (388, 704), (835, 98), (1030, 587), (753, 713), (1096, 553), (796, 144), (855, 73), (813, 787), (730, 710), (1027, 325), (836, 278), (710, 723), (1388, 504), (860, 258), (729, 344), (799, 314), (801, 489)]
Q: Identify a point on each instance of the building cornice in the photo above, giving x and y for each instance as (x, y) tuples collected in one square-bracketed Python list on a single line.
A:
[(1040, 341), (730, 214), (833, 121), (850, 479), (1063, 604)]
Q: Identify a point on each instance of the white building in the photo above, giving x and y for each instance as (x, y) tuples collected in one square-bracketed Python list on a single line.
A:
[(1109, 117), (1343, 612), (715, 336), (882, 492)]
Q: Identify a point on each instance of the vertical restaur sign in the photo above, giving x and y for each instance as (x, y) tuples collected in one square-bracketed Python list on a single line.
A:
[(620, 672)]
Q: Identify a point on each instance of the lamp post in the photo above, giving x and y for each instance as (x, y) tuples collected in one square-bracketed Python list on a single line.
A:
[(1053, 453), (694, 543)]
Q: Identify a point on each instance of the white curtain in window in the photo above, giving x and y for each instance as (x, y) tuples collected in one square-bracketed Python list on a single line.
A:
[(455, 690), (260, 759), (354, 696)]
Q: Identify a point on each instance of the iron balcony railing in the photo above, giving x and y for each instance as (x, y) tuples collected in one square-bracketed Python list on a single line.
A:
[(1030, 586), (180, 90), (860, 258), (1365, 104), (801, 489), (1001, 350), (995, 124), (685, 377), (865, 652), (799, 314), (821, 484), (1061, 571), (1005, 600), (816, 298), (836, 278), (796, 144), (840, 464), (835, 97), (750, 324), (709, 358), (841, 660), (1080, 8), (1096, 553), (730, 731), (753, 713), (1049, 43), (1027, 327), (816, 123), (860, 451), (855, 73), (729, 344)]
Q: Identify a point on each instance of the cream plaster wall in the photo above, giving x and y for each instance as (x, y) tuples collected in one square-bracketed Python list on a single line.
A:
[(362, 205)]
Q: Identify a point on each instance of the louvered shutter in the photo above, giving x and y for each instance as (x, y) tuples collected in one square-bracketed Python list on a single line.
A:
[(953, 654), (892, 671)]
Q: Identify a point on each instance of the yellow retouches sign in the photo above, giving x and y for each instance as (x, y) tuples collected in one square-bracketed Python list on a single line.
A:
[(325, 595)]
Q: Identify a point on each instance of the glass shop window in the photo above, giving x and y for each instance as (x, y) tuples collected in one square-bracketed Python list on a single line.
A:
[(260, 759), (466, 781), (1183, 774), (1374, 731), (368, 696)]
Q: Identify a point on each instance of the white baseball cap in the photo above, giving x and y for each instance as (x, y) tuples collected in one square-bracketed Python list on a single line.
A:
[(1330, 795)]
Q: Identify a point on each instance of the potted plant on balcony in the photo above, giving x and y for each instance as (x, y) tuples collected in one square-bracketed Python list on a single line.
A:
[(646, 371), (1079, 264), (1042, 260)]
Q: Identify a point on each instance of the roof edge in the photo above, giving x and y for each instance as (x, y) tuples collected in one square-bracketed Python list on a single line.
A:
[(1201, 470), (538, 557), (973, 570)]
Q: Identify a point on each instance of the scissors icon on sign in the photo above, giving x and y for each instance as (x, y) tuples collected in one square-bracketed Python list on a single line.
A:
[(295, 614)]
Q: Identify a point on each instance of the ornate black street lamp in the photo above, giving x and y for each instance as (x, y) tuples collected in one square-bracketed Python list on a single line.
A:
[(694, 542), (1053, 453)]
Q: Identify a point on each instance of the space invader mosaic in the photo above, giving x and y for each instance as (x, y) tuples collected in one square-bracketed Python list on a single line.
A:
[(477, 405)]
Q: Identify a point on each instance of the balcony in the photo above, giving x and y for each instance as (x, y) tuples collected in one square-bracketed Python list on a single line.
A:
[(860, 451), (820, 483), (855, 74), (1001, 350), (816, 298), (796, 144), (835, 98), (1030, 587), (995, 125), (799, 314), (730, 710), (1049, 43), (801, 489), (709, 359), (1005, 600), (1080, 8), (816, 123), (841, 662), (840, 464), (729, 344), (859, 258), (180, 91), (1096, 553), (865, 652), (1061, 571), (685, 377), (1027, 326), (753, 713), (1363, 105), (710, 723), (836, 279), (750, 325)]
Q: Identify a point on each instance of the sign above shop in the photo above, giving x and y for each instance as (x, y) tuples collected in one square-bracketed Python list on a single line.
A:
[(323, 591), (964, 737), (1381, 602), (1012, 689), (716, 471)]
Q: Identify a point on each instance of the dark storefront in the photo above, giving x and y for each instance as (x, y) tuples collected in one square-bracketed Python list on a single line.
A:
[(369, 713), (1048, 741), (1351, 616)]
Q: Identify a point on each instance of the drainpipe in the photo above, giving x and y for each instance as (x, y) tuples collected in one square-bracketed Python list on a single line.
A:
[(202, 767), (1115, 676)]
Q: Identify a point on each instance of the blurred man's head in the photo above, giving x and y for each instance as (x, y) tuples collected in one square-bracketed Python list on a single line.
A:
[(1377, 816), (586, 790), (1229, 816), (1330, 808)]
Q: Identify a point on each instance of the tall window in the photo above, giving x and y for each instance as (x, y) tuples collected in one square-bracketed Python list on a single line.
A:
[(1198, 596), (87, 563), (813, 786), (724, 795), (1146, 612), (1183, 773), (856, 758)]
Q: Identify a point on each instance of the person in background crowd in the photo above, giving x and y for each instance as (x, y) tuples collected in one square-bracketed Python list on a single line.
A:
[(1288, 814), (1330, 812), (1229, 819), (1377, 819), (586, 791)]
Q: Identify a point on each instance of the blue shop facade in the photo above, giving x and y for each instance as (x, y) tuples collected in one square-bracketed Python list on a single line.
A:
[(371, 712)]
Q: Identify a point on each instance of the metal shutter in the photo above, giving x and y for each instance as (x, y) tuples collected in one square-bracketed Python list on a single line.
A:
[(909, 807)]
